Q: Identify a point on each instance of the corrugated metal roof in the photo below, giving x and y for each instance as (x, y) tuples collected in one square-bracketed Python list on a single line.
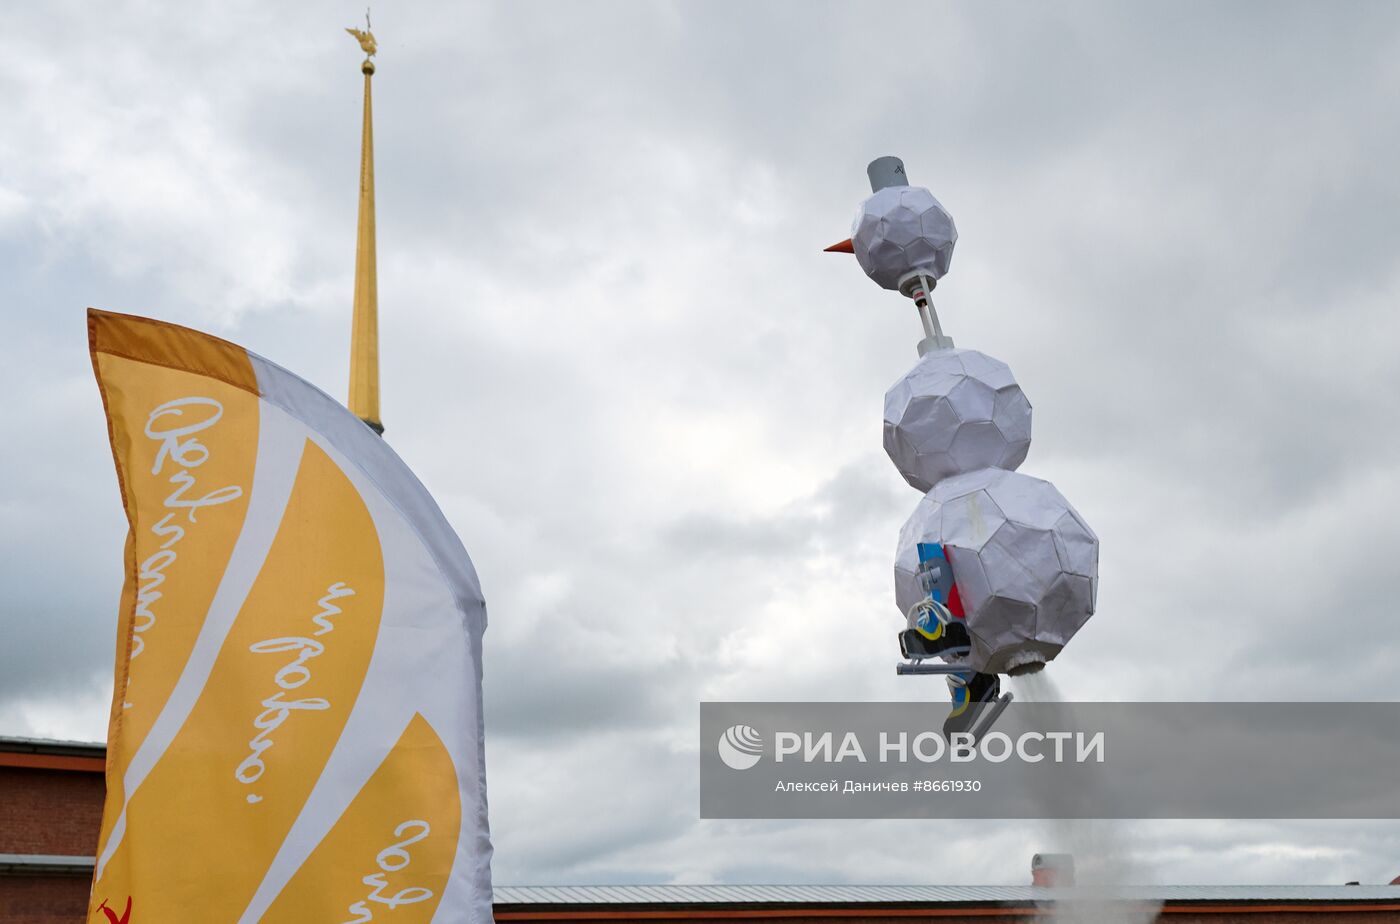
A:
[(16, 745), (922, 894)]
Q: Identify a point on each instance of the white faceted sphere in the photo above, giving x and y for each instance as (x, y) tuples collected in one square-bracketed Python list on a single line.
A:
[(956, 411), (1025, 563), (899, 229)]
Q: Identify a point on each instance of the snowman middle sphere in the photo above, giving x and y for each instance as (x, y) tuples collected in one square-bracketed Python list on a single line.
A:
[(955, 412)]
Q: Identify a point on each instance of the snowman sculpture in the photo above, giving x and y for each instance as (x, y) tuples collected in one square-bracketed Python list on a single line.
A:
[(994, 570)]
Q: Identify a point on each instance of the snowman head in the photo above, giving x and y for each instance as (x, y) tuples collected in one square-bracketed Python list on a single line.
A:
[(901, 232)]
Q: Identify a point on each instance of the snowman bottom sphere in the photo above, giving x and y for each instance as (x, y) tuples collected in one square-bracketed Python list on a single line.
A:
[(1025, 564)]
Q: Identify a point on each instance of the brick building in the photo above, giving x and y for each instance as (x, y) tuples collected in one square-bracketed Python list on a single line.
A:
[(50, 809), (51, 806), (825, 904)]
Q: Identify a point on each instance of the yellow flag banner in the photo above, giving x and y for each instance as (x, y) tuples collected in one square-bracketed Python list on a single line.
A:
[(296, 729)]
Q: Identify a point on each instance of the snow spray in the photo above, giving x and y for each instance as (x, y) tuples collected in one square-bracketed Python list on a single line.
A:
[(1100, 846)]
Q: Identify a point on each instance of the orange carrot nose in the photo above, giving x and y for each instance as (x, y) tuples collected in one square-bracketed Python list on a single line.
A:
[(843, 247)]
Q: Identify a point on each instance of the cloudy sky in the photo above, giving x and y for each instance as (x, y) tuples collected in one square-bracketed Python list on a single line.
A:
[(651, 406)]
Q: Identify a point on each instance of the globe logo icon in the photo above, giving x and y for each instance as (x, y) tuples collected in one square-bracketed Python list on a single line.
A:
[(740, 747)]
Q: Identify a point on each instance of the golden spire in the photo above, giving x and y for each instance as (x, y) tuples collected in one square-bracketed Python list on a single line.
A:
[(364, 334)]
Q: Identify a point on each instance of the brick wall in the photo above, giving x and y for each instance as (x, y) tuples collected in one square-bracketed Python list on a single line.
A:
[(1313, 916), (52, 812), (43, 899), (526, 914), (49, 811)]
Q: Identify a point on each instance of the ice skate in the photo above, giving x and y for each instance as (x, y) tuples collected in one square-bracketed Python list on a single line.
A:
[(977, 703)]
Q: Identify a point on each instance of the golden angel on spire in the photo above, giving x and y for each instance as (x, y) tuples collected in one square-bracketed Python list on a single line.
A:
[(366, 40)]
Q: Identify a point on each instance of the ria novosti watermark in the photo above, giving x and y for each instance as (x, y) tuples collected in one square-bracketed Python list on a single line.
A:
[(1092, 760), (742, 746)]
